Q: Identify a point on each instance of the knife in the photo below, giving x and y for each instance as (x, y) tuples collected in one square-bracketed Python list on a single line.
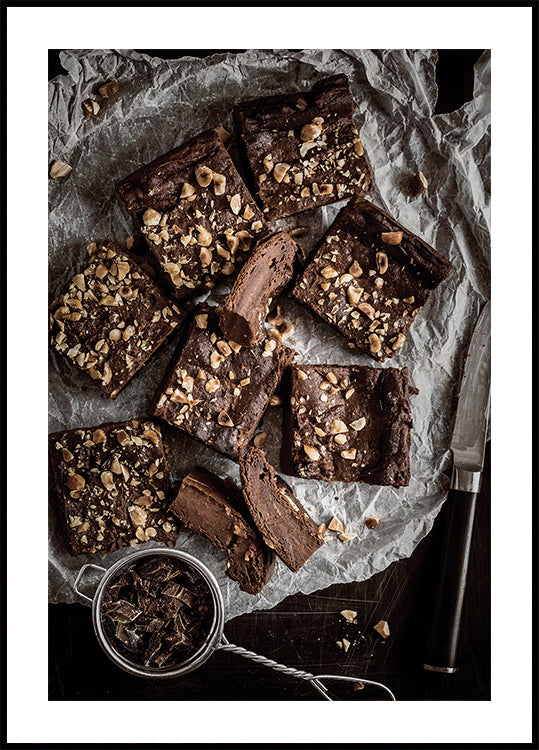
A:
[(468, 448)]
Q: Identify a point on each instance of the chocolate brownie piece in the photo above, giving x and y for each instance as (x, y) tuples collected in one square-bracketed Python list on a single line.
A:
[(195, 212), (303, 149), (350, 424), (266, 272), (111, 318), (283, 522), (216, 390), (369, 277), (215, 508), (111, 485)]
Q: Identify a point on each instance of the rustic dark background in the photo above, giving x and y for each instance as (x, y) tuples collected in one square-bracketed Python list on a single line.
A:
[(302, 630)]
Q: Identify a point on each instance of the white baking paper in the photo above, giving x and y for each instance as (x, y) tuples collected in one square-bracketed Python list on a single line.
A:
[(162, 103)]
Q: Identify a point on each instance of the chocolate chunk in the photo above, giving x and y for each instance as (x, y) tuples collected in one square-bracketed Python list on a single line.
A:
[(152, 649), (187, 597), (148, 624), (171, 607), (121, 633), (121, 611), (283, 522), (172, 589), (156, 569)]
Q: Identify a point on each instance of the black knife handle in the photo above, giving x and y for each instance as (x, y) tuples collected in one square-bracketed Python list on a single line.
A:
[(441, 654)]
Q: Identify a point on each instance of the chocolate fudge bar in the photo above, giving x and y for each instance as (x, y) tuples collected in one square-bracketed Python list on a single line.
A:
[(266, 272), (350, 424), (369, 277), (214, 508), (111, 318), (111, 486), (195, 212), (216, 390), (283, 522), (303, 149)]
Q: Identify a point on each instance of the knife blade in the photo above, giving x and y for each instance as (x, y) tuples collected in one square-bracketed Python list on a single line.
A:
[(471, 421), (468, 448)]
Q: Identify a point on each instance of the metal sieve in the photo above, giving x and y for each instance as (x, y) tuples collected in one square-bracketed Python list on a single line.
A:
[(215, 639)]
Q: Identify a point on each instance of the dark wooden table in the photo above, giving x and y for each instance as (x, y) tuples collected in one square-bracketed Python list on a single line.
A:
[(302, 631)]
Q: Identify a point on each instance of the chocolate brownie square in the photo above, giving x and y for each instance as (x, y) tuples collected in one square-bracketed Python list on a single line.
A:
[(303, 149), (195, 212), (216, 390), (264, 275), (369, 277), (111, 318), (350, 424), (111, 486), (215, 508), (282, 520)]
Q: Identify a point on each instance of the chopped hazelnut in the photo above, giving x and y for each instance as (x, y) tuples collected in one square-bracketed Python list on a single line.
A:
[(418, 184), (382, 628), (336, 525), (90, 107), (60, 169), (372, 522)]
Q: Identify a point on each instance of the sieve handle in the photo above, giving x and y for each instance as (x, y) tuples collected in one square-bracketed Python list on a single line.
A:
[(315, 680), (80, 576)]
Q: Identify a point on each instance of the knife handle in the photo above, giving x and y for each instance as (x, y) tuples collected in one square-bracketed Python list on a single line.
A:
[(441, 654)]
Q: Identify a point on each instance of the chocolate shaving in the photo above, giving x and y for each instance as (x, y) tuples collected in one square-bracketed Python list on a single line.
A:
[(121, 611), (158, 613)]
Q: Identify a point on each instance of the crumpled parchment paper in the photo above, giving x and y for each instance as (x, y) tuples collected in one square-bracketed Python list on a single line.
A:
[(162, 103)]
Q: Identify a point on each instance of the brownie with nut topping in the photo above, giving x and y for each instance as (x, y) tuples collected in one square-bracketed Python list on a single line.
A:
[(303, 149), (282, 520), (369, 277), (111, 486), (217, 390), (195, 213), (350, 424), (111, 318), (264, 275), (215, 508)]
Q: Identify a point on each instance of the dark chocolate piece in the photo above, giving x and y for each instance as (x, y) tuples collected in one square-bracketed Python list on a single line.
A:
[(215, 390), (369, 277), (264, 275), (154, 630), (111, 318), (350, 424), (209, 506), (195, 212), (121, 611), (111, 486), (303, 149), (283, 522)]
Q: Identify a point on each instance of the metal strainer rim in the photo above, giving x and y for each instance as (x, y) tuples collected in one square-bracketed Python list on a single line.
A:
[(200, 656)]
